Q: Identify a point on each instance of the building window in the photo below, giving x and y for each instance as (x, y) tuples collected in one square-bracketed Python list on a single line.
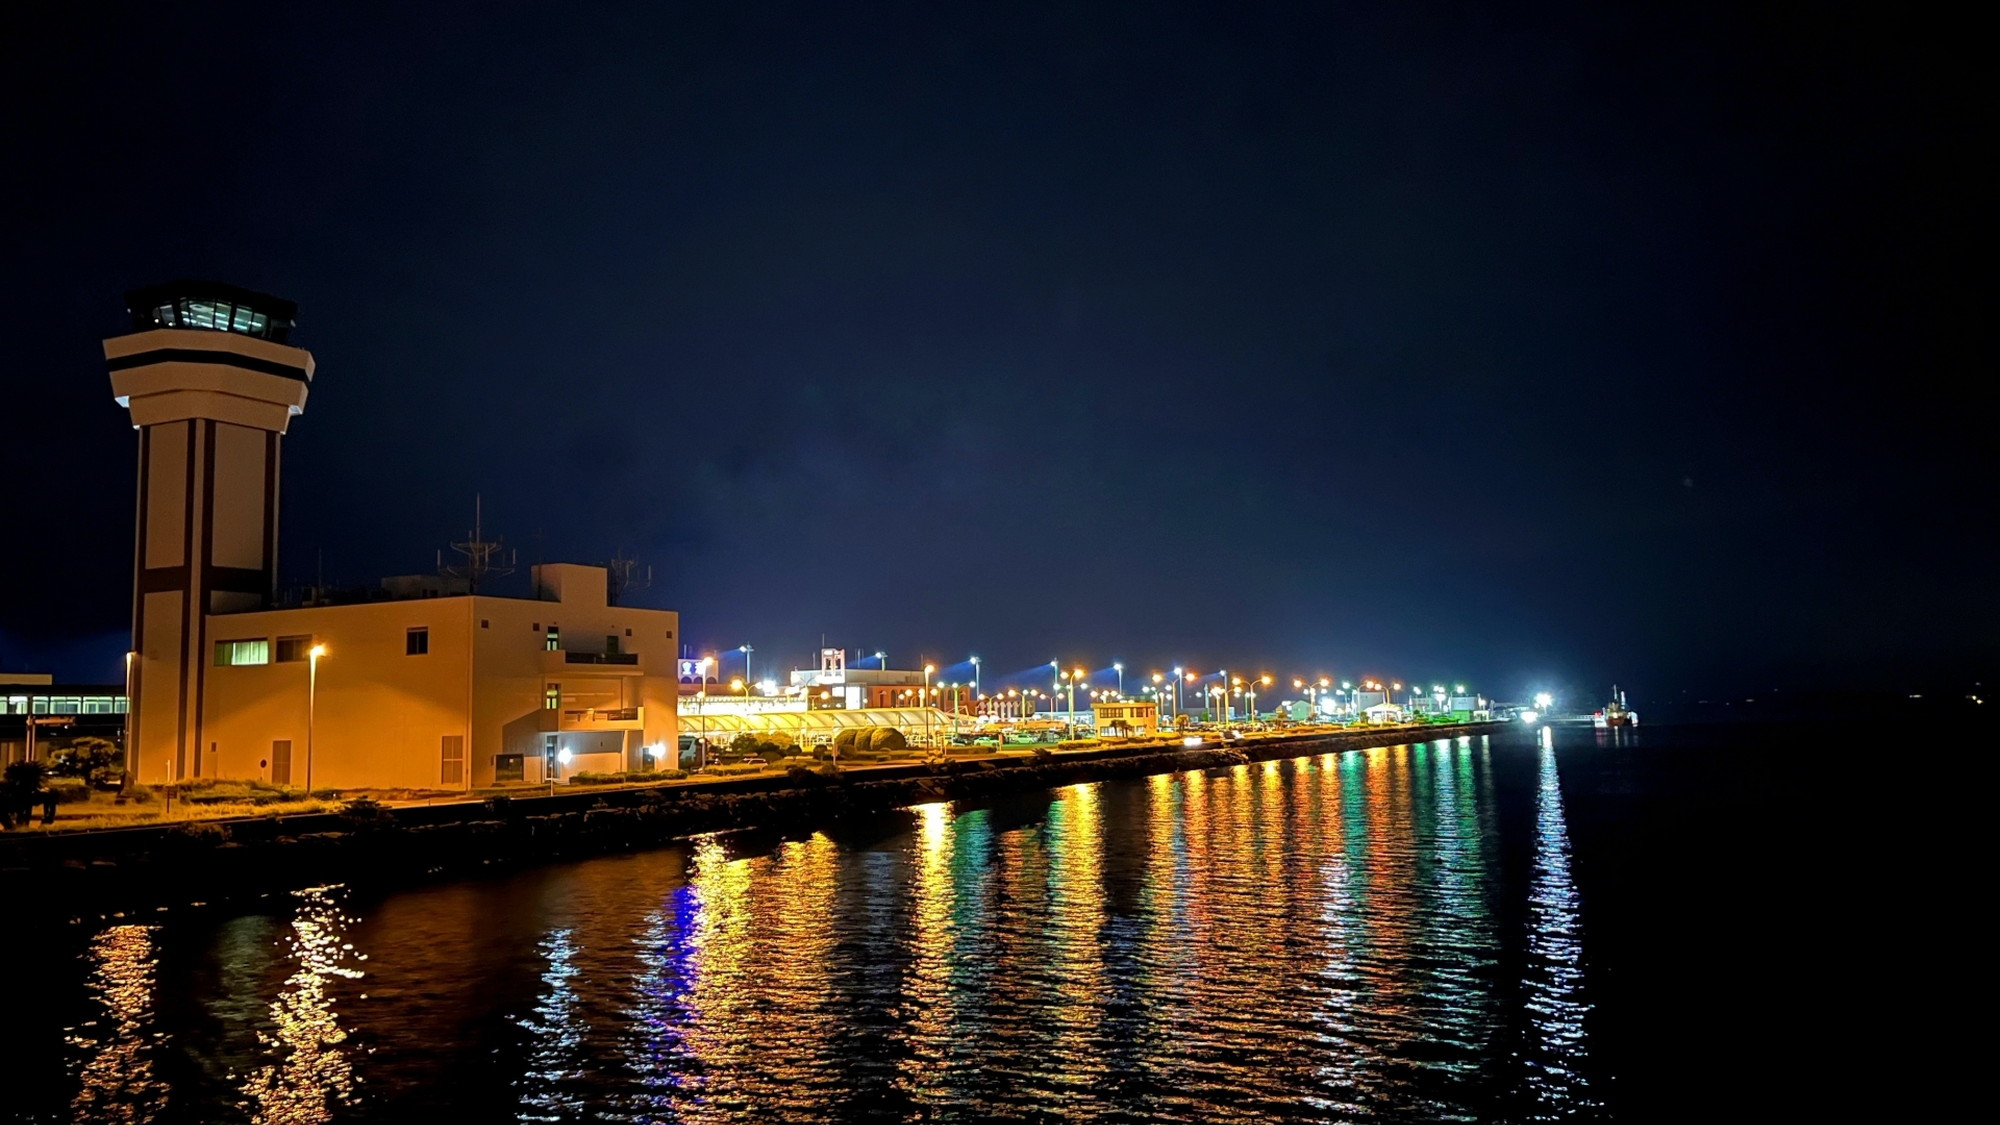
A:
[(242, 652), (670, 634), (553, 639), (294, 650), (611, 644), (628, 632), (417, 642), (485, 624), (510, 767), (537, 626), (552, 697)]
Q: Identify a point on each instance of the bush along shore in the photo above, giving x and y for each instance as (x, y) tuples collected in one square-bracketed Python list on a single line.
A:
[(88, 874)]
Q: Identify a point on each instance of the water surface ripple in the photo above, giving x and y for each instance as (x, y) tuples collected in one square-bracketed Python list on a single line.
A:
[(1384, 934)]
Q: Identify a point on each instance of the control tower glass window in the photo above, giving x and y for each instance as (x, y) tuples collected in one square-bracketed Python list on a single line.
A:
[(211, 307)]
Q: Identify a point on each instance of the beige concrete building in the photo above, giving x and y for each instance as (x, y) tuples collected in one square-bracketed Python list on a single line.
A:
[(441, 692), (429, 690), (1126, 717)]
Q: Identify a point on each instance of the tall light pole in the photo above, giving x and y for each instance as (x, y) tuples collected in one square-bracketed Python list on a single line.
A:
[(1120, 669), (926, 701), (126, 782), (312, 707), (975, 675), (881, 660), (746, 650)]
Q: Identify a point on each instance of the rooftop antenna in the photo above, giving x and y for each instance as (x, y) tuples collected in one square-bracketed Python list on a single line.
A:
[(625, 577), (483, 558)]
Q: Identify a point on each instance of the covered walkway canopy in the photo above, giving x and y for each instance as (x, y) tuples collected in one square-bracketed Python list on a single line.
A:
[(820, 726)]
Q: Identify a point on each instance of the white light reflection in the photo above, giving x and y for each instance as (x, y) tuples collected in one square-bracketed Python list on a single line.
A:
[(311, 1077), (555, 1047), (117, 1082), (1556, 1009)]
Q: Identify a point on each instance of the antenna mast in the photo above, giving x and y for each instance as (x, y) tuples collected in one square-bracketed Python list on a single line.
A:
[(483, 558), (625, 577)]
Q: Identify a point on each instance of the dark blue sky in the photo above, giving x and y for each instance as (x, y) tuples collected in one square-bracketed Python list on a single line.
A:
[(1565, 343)]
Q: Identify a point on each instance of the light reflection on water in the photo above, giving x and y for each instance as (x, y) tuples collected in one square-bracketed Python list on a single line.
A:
[(1328, 938), (308, 1076), (1555, 957), (116, 1081)]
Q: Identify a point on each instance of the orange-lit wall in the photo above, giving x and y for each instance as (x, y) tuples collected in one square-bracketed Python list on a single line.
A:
[(382, 715)]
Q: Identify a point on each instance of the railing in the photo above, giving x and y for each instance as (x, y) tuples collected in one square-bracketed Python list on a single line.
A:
[(600, 657), (602, 715)]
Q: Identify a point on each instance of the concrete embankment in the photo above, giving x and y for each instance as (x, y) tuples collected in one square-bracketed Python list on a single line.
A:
[(97, 872)]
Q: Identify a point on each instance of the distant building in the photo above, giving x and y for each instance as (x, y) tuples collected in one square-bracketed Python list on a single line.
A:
[(1125, 717), (36, 713), (429, 687), (835, 686)]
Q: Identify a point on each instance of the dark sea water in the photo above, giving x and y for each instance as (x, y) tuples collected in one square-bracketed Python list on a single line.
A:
[(1560, 924)]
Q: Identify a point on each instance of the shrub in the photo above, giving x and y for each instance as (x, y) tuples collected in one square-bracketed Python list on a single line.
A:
[(139, 795), (69, 790), (671, 775), (500, 805), (849, 741), (1043, 753), (199, 833), (886, 740), (367, 812), (771, 751), (803, 774)]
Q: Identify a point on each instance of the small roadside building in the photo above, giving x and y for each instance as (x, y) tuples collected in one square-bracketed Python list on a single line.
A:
[(1124, 718), (1383, 714)]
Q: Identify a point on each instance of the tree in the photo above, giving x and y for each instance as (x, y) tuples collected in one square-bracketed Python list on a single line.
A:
[(95, 760), (745, 743)]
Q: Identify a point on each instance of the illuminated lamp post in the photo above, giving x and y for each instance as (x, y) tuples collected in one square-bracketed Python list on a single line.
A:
[(126, 782), (746, 650), (312, 707), (1120, 669), (975, 675)]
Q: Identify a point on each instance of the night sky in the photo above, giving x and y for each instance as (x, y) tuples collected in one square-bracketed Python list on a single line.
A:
[(1560, 345)]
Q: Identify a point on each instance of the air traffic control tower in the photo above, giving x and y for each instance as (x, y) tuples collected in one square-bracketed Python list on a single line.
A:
[(212, 383)]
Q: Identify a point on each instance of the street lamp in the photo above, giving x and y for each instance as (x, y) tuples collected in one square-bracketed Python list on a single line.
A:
[(746, 650), (126, 781), (312, 707), (1120, 669), (744, 687), (975, 675)]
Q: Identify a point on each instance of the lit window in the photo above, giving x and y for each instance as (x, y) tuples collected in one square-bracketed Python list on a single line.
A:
[(552, 640), (552, 697), (417, 642), (242, 652)]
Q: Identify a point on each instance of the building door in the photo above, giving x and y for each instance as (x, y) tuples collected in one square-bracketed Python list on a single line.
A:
[(451, 768), (281, 762)]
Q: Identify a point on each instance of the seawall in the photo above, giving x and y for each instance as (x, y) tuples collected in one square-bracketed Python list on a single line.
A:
[(61, 876)]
